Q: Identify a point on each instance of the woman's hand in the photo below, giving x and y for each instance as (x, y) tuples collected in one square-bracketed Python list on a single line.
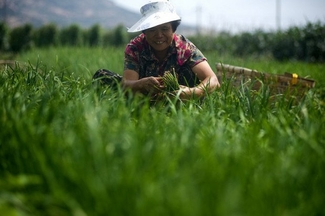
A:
[(151, 84), (147, 85)]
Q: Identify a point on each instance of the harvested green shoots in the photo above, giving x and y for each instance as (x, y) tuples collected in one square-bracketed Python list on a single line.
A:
[(170, 81)]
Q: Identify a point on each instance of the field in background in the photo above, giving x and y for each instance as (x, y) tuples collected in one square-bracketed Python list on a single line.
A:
[(68, 148), (83, 62)]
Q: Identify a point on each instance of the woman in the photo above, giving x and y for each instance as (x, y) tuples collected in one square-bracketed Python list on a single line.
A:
[(159, 49)]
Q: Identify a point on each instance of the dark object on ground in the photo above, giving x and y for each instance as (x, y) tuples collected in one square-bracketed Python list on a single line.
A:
[(107, 77)]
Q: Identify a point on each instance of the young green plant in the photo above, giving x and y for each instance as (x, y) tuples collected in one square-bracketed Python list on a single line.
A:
[(170, 81)]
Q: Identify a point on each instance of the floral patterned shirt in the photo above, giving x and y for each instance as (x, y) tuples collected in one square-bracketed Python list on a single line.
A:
[(182, 56)]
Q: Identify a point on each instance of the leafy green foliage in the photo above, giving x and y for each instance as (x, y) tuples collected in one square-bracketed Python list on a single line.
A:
[(69, 149), (71, 36), (20, 38), (46, 36), (304, 43), (3, 36), (94, 36), (116, 37), (170, 81)]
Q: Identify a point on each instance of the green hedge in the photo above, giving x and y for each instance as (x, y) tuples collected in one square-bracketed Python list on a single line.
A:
[(304, 43)]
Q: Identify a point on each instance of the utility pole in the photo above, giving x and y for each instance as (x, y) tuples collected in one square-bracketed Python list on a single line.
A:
[(198, 19), (278, 15)]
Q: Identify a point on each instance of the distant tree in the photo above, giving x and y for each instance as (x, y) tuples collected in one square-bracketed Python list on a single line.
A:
[(300, 43), (119, 35), (46, 36), (116, 37), (94, 35), (20, 38), (3, 36), (224, 43), (107, 39), (71, 36), (312, 42), (251, 43)]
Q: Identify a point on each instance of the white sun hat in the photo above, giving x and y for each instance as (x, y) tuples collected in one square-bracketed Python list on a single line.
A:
[(154, 14)]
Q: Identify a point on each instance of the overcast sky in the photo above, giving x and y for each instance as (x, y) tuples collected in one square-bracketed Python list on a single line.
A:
[(242, 15)]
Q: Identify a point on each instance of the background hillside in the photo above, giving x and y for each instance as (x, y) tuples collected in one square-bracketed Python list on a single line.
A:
[(63, 13)]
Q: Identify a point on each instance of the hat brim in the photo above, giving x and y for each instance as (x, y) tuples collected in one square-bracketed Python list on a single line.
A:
[(153, 20)]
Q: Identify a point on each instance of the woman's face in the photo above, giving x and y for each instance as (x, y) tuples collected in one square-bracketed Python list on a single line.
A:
[(160, 37)]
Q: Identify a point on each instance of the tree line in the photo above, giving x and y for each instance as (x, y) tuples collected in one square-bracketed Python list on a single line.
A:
[(26, 37), (305, 43)]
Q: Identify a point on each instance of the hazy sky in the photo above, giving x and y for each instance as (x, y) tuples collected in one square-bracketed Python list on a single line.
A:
[(239, 15)]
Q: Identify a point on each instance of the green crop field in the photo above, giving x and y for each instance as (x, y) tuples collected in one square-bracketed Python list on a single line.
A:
[(68, 147)]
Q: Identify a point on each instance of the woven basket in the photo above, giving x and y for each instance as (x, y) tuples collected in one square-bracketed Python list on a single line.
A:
[(287, 84), (11, 64)]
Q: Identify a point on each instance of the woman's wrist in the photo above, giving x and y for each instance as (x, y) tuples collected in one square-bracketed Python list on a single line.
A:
[(189, 93)]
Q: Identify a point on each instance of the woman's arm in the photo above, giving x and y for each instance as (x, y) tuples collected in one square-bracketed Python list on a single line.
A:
[(152, 85), (147, 85), (209, 82)]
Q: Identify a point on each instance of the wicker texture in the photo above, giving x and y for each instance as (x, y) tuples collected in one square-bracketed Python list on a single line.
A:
[(288, 83)]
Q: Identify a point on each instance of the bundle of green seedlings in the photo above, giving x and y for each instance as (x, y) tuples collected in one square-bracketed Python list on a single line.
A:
[(170, 81)]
